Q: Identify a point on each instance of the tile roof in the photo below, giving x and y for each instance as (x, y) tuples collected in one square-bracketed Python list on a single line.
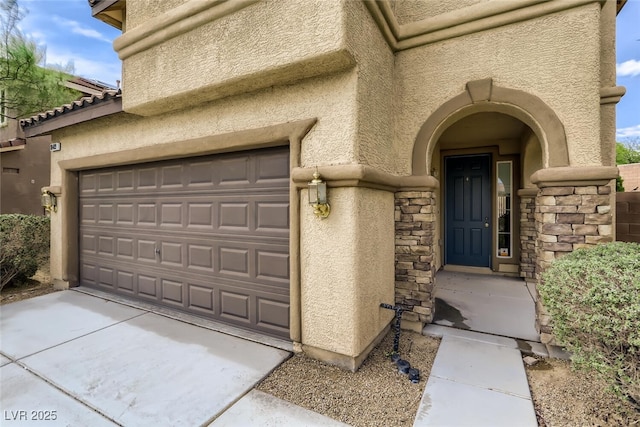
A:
[(85, 102)]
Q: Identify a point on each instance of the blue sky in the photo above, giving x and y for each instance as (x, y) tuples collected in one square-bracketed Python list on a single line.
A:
[(72, 35), (628, 71)]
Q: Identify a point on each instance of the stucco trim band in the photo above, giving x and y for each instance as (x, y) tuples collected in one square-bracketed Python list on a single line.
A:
[(574, 176), (484, 96), (612, 94), (356, 175), (270, 136), (460, 22), (528, 192), (173, 23)]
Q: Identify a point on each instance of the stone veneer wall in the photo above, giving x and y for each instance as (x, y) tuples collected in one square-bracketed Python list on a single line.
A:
[(527, 237), (568, 218), (415, 269)]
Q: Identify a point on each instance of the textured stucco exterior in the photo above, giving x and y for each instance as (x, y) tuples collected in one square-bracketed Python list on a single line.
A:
[(554, 57), (374, 95)]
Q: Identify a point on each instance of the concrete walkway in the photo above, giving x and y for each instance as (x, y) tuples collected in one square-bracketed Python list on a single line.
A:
[(69, 358), (476, 380), (85, 360), (484, 303)]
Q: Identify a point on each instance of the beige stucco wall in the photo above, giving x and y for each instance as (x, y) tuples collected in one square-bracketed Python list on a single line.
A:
[(140, 11), (260, 45), (407, 11), (374, 91), (330, 99), (554, 57), (347, 270)]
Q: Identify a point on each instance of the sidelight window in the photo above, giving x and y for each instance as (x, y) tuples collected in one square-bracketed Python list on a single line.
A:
[(504, 208)]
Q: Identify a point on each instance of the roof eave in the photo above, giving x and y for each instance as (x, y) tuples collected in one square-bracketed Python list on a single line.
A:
[(108, 11), (47, 125)]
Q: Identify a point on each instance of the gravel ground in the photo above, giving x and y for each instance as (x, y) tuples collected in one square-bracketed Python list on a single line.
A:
[(376, 395), (564, 397)]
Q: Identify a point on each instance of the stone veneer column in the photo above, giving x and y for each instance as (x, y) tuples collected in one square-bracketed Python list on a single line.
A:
[(568, 218), (415, 270), (527, 233)]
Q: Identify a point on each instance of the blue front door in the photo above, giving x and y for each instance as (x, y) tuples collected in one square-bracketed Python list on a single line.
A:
[(468, 210)]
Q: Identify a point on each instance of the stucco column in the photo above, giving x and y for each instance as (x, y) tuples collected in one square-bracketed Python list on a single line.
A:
[(346, 272)]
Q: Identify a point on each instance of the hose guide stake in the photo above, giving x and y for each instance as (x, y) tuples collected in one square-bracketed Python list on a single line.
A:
[(404, 366)]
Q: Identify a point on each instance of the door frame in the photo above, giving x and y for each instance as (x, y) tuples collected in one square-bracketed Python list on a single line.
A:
[(499, 265)]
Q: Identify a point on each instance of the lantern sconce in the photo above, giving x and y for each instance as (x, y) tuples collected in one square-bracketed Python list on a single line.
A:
[(49, 201), (318, 196)]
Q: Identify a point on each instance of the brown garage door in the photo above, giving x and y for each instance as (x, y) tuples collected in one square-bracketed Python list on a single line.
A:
[(209, 235)]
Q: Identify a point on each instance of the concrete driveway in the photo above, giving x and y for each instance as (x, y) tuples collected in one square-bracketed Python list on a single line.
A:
[(76, 359)]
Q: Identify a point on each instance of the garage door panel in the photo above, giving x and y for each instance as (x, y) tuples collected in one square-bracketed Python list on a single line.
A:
[(124, 213), (124, 180), (105, 213), (105, 245), (172, 176), (206, 235), (200, 174), (106, 276), (233, 171), (201, 298), (200, 215), (106, 181), (172, 292), (272, 217), (125, 281), (234, 215), (273, 315), (235, 306), (233, 261), (88, 213), (273, 167), (147, 286), (273, 266), (146, 214), (171, 214), (147, 178), (200, 257), (88, 183)]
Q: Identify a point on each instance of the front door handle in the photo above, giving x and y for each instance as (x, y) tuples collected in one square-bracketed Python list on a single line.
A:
[(486, 222)]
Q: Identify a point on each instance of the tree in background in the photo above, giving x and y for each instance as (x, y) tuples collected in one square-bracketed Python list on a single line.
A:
[(27, 86), (625, 154)]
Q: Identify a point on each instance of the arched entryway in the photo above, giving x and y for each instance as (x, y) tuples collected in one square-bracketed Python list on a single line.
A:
[(483, 146), (480, 160)]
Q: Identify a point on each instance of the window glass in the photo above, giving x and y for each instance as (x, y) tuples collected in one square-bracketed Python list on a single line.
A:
[(503, 209)]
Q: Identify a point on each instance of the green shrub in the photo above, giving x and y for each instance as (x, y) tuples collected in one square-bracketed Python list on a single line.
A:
[(24, 245), (593, 297)]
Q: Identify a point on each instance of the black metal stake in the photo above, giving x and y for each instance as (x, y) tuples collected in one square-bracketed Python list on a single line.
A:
[(398, 316), (403, 365)]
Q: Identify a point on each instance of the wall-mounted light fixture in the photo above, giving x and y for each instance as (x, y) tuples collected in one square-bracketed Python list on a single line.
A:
[(49, 201), (318, 196)]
